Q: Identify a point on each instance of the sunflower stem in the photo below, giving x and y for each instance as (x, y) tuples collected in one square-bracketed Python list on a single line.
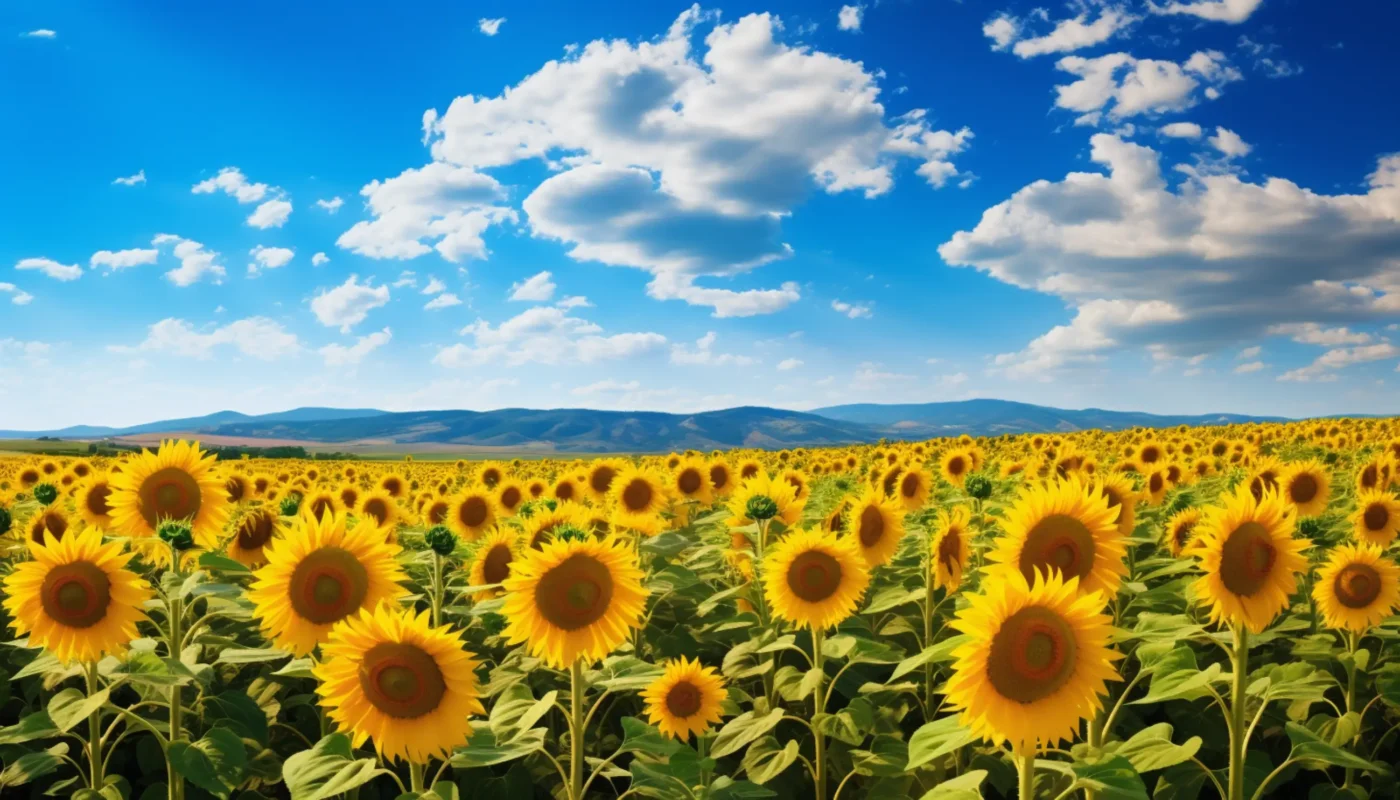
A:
[(1238, 735), (1352, 641), (176, 608), (415, 777), (576, 738), (702, 745), (94, 747), (1025, 774), (819, 701), (437, 589), (762, 604), (928, 637)]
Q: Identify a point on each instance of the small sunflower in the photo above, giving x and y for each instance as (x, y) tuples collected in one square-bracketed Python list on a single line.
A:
[(381, 510), (1063, 525), (1377, 517), (472, 512), (177, 482), (237, 487), (254, 531), (567, 490), (600, 477), (574, 598), (686, 699), (913, 488), (1357, 588), (813, 579), (721, 477), (322, 502), (955, 466), (389, 677), (1250, 558), (48, 522), (435, 511), (93, 501), (510, 495), (1307, 488), (877, 524), (949, 549), (691, 481), (1118, 490), (638, 496), (394, 485), (547, 523), (491, 564), (1037, 662), (76, 598), (1180, 530), (780, 492)]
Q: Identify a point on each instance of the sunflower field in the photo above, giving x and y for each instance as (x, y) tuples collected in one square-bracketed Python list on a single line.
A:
[(1175, 614)]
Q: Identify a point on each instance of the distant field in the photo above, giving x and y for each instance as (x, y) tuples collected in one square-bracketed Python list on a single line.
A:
[(372, 451), (28, 446)]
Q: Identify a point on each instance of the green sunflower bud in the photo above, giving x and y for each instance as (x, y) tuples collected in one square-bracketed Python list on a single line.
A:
[(46, 493), (176, 534), (441, 539), (761, 507)]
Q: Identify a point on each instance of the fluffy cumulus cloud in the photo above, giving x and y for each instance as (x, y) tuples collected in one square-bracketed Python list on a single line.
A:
[(852, 310), (123, 259), (849, 18), (269, 258), (703, 354), (273, 209), (256, 337), (538, 288), (271, 214), (1193, 268), (1231, 11), (444, 300), (347, 305), (678, 155), (490, 26), (544, 335), (319, 259), (434, 286), (1181, 130), (330, 206), (17, 295), (1229, 143), (1086, 29), (339, 355), (1324, 367), (1122, 86), (196, 262), (131, 180), (54, 269)]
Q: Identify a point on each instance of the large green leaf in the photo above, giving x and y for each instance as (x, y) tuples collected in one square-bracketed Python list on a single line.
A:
[(966, 786), (1152, 748), (937, 738), (766, 759), (328, 769), (886, 757), (639, 737), (1113, 778), (214, 763), (239, 713), (259, 655), (32, 765), (70, 707), (34, 726), (742, 730), (1312, 751), (483, 750)]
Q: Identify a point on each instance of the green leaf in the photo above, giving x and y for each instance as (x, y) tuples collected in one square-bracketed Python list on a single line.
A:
[(32, 765), (483, 750), (743, 729), (222, 563), (215, 763), (328, 769), (842, 725), (893, 597), (726, 788), (886, 757), (936, 739), (1113, 778), (70, 707), (1315, 753), (966, 786), (239, 713), (296, 668), (639, 737), (34, 726), (766, 759), (1152, 749), (260, 655), (934, 653), (1178, 684)]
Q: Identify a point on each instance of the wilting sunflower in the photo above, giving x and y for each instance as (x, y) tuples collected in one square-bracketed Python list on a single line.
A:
[(1357, 587), (913, 488), (691, 481), (92, 501), (1307, 487), (547, 523), (949, 549), (814, 579), (472, 512), (877, 524), (1037, 662), (177, 482), (381, 510), (955, 466), (1377, 517), (390, 677), (638, 496), (491, 563), (686, 699), (761, 485), (1250, 558), (510, 495), (574, 598), (319, 573), (76, 598), (1180, 530), (254, 531), (49, 522), (1063, 525)]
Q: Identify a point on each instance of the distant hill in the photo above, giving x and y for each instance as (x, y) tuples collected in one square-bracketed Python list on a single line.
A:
[(993, 417), (196, 424)]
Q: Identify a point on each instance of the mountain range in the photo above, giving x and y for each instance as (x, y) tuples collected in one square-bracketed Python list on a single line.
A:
[(591, 431)]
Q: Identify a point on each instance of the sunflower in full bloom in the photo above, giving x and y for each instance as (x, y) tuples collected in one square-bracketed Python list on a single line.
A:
[(913, 488), (1180, 530), (1307, 488), (491, 562), (1357, 588), (1037, 662), (779, 491), (1154, 488), (76, 598), (599, 477), (877, 524), (381, 510), (721, 477), (510, 496), (1064, 525), (177, 482), (690, 482), (800, 482), (472, 512), (237, 487), (1250, 558), (1266, 473), (949, 549), (317, 574), (638, 496), (748, 468), (546, 523), (814, 579), (49, 522), (389, 677), (93, 501), (491, 474), (1117, 489), (322, 502), (1377, 517), (574, 598), (253, 532), (686, 699), (955, 466), (394, 485)]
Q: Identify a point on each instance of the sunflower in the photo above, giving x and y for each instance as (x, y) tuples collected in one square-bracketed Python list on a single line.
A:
[(49, 522), (381, 510), (1307, 487), (686, 699), (262, 482), (253, 532), (319, 573), (574, 598), (800, 482), (814, 579), (877, 523), (510, 495), (237, 487), (748, 468), (1118, 490), (638, 496), (761, 485), (76, 598), (567, 490), (349, 495), (1377, 517), (1036, 664), (545, 524), (1180, 531), (1250, 558), (394, 485), (435, 511), (1357, 588), (93, 501), (391, 677), (600, 476), (322, 502), (491, 474), (491, 564), (949, 548), (177, 482), (955, 466), (1265, 476), (1063, 525), (690, 481), (721, 477), (1154, 488), (472, 512), (536, 487), (913, 488)]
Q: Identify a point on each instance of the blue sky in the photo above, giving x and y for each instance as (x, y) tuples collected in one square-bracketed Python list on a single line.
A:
[(1174, 207)]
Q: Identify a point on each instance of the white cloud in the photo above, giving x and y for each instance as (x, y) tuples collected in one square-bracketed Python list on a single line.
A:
[(607, 386), (434, 286), (35, 353), (444, 300), (231, 181), (789, 364), (348, 304), (123, 259), (1264, 60), (406, 278), (1252, 366), (1229, 143), (490, 27), (272, 214), (849, 18), (338, 355), (453, 205), (1249, 352), (332, 205), (1320, 369), (1125, 86), (40, 33), (1092, 330), (704, 355), (319, 259), (1181, 130), (131, 180), (1002, 29), (574, 301), (269, 258), (51, 268), (1231, 11), (1313, 333), (544, 335), (195, 261), (18, 296), (954, 379), (537, 288), (852, 310), (257, 337), (1066, 36)]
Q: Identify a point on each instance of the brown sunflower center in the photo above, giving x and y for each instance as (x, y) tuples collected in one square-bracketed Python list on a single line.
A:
[(872, 526), (689, 481), (96, 500), (909, 487), (393, 486), (491, 477), (349, 497), (1370, 476), (1302, 489), (1182, 534), (748, 471), (1262, 483), (473, 511), (1058, 542), (437, 512), (235, 489), (328, 585), (1032, 655), (814, 576), (169, 493), (957, 465), (602, 478), (636, 496), (1150, 455), (76, 594), (496, 566), (54, 524), (564, 491), (510, 498), (576, 593), (1156, 482), (402, 680), (377, 508), (949, 549), (1357, 585), (1247, 559), (1376, 517), (255, 530), (321, 506), (719, 476), (683, 700)]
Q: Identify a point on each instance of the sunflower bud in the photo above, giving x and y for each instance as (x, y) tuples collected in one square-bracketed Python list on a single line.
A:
[(5, 522), (978, 486), (1311, 528), (761, 507), (570, 533), (291, 504), (442, 540), (46, 493), (176, 534)]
